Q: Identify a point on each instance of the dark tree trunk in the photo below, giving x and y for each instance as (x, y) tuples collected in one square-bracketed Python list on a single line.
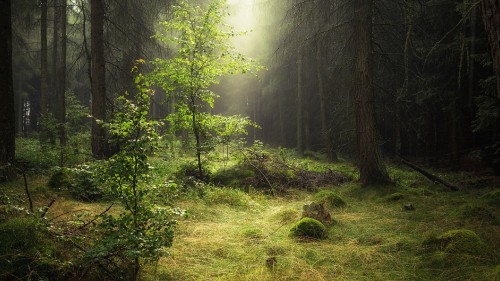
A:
[(7, 118), (98, 84), (491, 19), (300, 106), (61, 93), (44, 76), (371, 167)]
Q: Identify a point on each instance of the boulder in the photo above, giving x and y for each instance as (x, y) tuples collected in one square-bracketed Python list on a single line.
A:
[(317, 211)]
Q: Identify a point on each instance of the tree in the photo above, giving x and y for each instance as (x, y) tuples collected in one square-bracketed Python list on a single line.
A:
[(44, 75), (98, 79), (491, 20), (7, 118), (203, 55), (61, 75), (371, 167)]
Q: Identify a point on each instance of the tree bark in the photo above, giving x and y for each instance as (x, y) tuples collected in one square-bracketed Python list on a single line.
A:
[(7, 118), (371, 167), (61, 97), (44, 76), (98, 84), (300, 121), (491, 19)]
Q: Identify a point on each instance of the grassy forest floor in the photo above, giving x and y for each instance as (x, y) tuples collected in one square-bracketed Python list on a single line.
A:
[(236, 233)]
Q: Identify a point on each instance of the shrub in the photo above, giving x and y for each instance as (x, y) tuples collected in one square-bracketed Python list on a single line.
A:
[(86, 183), (309, 228), (330, 198), (59, 180)]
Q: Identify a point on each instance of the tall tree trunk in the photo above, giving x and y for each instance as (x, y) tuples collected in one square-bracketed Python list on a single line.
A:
[(300, 120), (98, 85), (491, 19), (61, 97), (371, 167), (44, 76), (328, 144), (7, 118), (55, 59)]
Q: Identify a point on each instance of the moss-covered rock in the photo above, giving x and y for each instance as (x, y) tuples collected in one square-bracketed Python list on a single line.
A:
[(330, 199), (310, 228)]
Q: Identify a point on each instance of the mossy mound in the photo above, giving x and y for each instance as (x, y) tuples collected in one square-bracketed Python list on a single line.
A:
[(394, 197), (330, 199), (492, 198), (458, 241), (310, 228), (288, 215), (477, 213)]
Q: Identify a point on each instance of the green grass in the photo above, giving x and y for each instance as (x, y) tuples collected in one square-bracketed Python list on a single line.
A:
[(232, 235)]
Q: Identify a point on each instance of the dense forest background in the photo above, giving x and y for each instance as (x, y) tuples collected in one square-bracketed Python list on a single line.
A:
[(249, 139), (434, 83)]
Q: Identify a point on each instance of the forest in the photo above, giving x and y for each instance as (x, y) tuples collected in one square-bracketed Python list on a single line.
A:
[(250, 140)]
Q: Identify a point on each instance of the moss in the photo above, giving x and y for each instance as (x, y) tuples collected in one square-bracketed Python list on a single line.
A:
[(310, 228), (492, 198), (461, 241), (477, 213), (251, 233), (288, 215), (394, 197), (227, 196), (494, 274), (330, 198)]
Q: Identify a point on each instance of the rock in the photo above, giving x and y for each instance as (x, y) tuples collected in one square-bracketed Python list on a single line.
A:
[(271, 263), (409, 207), (317, 211)]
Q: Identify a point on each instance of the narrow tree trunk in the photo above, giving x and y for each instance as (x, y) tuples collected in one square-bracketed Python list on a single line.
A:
[(300, 124), (371, 167), (61, 97), (55, 60), (491, 19), (7, 118), (328, 144), (44, 76), (98, 85)]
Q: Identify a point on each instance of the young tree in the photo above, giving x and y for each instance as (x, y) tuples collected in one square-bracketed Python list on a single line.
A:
[(371, 167), (98, 75), (7, 118), (203, 55)]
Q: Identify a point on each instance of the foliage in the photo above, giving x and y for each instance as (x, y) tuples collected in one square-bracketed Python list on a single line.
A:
[(142, 229), (86, 182), (35, 155), (25, 252), (203, 55), (309, 228)]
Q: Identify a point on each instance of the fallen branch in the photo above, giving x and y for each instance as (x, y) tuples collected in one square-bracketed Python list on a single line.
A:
[(430, 176)]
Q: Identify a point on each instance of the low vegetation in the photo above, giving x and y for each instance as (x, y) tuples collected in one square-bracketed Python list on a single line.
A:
[(232, 231)]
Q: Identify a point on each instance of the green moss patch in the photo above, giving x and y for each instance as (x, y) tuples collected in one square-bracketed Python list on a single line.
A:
[(309, 228), (330, 199), (459, 241)]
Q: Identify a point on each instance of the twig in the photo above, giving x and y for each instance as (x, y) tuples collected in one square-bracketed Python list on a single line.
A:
[(47, 208), (95, 218)]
